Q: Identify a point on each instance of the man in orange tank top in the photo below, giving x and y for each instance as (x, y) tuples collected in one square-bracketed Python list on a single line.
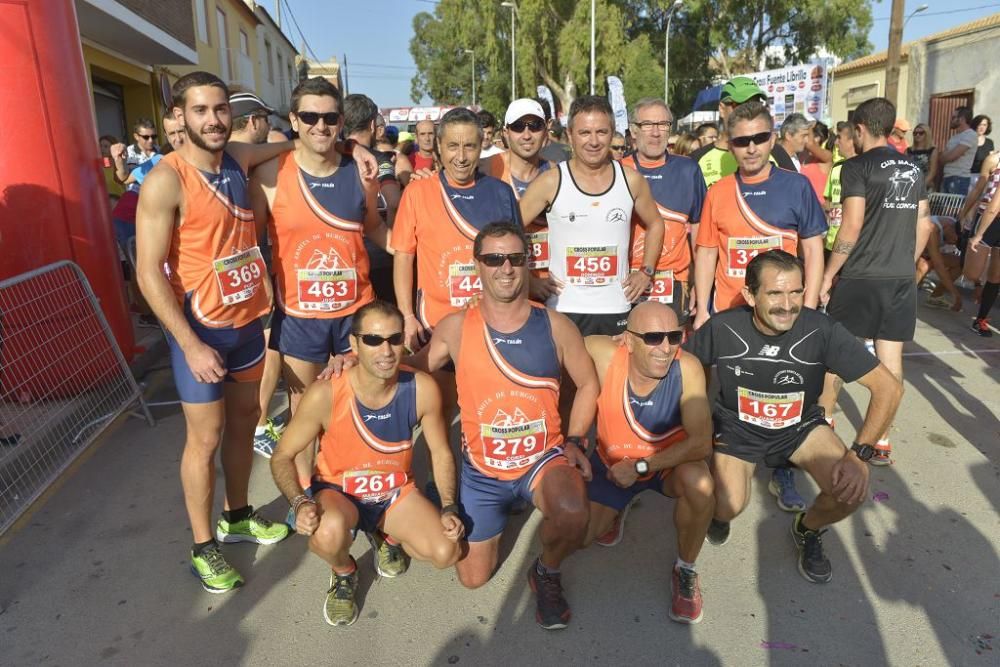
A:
[(363, 478), (509, 356), (318, 210), (654, 432), (194, 218)]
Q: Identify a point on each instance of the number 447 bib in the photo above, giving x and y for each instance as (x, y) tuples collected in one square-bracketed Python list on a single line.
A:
[(773, 411)]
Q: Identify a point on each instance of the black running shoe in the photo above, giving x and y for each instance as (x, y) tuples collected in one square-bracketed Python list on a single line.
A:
[(718, 532), (553, 611), (813, 563)]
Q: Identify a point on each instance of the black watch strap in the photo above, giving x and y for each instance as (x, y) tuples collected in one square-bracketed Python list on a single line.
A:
[(863, 452), (452, 509)]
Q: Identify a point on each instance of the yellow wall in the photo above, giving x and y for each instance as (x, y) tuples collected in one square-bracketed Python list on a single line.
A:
[(136, 83), (237, 17), (842, 84)]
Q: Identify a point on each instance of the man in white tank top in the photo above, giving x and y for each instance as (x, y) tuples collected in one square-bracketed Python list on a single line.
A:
[(588, 202)]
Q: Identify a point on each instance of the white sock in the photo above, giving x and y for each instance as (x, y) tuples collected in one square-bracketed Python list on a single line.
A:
[(684, 564)]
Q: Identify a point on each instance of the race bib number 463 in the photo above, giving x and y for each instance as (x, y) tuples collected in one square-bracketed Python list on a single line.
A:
[(513, 447), (741, 250), (591, 265), (370, 486), (774, 411), (327, 290), (240, 275), (463, 284)]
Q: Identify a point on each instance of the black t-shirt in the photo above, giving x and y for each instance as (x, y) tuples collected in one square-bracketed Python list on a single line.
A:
[(922, 157), (769, 382), (893, 187), (981, 154)]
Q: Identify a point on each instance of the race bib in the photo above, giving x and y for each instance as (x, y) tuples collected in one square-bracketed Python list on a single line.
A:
[(538, 244), (463, 284), (591, 265), (742, 249), (513, 447), (773, 411), (835, 216), (370, 486), (661, 288), (240, 275), (327, 290)]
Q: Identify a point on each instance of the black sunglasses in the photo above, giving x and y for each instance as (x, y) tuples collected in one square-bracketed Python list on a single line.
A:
[(535, 125), (147, 137), (374, 340), (495, 259), (312, 117), (618, 147), (656, 337), (743, 142)]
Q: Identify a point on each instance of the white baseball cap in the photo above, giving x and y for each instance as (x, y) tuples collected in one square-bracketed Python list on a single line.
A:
[(521, 108)]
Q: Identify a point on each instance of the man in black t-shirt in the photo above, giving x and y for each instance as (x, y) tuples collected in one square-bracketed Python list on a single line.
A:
[(885, 220), (772, 357)]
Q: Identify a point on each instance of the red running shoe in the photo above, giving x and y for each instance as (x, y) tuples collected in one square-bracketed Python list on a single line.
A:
[(685, 607)]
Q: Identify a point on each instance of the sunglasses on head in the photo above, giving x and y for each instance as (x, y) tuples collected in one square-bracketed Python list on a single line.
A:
[(617, 147), (496, 259), (519, 125), (743, 142), (374, 340), (312, 117), (147, 137), (656, 337)]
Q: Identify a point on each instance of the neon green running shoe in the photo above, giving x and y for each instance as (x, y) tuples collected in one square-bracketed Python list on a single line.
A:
[(217, 575), (254, 528), (390, 559), (340, 607)]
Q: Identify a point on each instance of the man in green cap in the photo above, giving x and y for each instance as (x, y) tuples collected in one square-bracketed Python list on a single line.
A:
[(715, 159)]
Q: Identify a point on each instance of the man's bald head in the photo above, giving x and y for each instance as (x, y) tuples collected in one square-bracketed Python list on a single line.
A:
[(650, 361), (652, 316)]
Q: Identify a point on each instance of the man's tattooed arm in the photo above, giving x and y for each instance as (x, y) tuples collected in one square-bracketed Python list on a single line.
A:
[(843, 247)]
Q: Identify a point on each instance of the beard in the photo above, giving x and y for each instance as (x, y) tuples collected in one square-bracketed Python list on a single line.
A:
[(198, 141)]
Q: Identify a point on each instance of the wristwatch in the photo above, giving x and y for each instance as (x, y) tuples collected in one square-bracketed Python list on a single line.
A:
[(579, 441), (642, 467), (648, 270), (864, 452)]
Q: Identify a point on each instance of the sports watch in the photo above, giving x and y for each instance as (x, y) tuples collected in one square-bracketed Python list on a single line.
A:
[(642, 467), (648, 270), (864, 452)]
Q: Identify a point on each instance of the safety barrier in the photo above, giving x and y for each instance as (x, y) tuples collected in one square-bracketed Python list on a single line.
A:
[(63, 380), (945, 204)]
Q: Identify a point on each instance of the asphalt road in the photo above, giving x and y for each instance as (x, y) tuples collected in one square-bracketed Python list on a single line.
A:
[(98, 571)]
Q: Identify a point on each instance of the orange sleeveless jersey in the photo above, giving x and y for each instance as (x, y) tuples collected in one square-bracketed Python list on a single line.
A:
[(619, 433), (320, 263), (498, 166), (509, 419), (214, 259), (676, 253), (728, 223), (353, 457)]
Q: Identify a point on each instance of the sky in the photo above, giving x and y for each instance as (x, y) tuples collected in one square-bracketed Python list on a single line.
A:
[(375, 35)]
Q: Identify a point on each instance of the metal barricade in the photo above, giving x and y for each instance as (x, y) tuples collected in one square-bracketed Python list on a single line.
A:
[(945, 204), (63, 380)]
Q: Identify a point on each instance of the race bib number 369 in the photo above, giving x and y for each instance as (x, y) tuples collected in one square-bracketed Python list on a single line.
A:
[(591, 265), (240, 275), (513, 447), (774, 411), (741, 250)]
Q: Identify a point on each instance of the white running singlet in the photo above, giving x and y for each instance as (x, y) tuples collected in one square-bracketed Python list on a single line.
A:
[(589, 240)]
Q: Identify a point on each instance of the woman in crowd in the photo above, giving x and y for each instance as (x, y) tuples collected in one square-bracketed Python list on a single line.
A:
[(923, 153), (686, 144), (983, 126)]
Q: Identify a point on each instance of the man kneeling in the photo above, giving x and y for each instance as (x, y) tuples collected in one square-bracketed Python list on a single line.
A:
[(654, 431), (363, 477), (771, 357)]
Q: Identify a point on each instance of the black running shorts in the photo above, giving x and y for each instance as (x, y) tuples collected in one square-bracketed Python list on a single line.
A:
[(881, 309), (737, 439), (599, 324)]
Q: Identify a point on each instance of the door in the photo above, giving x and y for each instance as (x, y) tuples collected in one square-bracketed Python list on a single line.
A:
[(942, 106)]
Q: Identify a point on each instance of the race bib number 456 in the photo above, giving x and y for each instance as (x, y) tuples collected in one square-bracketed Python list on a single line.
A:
[(240, 275), (370, 486), (591, 265), (774, 411), (513, 447), (741, 250)]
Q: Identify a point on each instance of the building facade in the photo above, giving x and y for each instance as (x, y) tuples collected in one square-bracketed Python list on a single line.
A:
[(226, 40), (277, 63)]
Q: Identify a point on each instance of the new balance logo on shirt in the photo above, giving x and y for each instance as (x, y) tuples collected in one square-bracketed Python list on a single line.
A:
[(770, 350)]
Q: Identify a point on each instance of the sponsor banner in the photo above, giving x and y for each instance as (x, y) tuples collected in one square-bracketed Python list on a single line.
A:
[(797, 89), (616, 95)]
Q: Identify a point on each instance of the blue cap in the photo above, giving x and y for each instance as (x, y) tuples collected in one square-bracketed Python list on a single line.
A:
[(392, 133)]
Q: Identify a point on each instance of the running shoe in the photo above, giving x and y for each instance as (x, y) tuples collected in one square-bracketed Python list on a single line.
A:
[(216, 574), (10, 440), (939, 302), (782, 487), (552, 611), (391, 560), (813, 563), (981, 326), (883, 454), (254, 528), (340, 607), (614, 534), (685, 607), (265, 442), (718, 532)]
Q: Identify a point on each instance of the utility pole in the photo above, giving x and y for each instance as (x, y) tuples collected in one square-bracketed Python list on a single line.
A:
[(347, 84), (593, 24), (895, 45), (277, 13)]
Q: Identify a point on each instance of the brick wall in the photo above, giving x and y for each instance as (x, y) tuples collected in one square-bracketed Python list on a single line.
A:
[(174, 17)]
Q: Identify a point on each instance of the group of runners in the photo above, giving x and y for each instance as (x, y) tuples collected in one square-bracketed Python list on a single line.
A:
[(540, 302)]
